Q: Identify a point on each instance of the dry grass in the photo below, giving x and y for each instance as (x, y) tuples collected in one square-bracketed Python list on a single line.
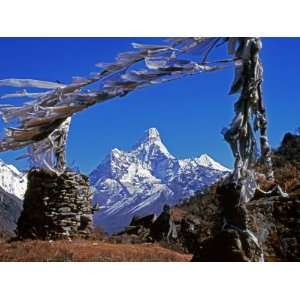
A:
[(287, 176), (86, 251), (178, 214)]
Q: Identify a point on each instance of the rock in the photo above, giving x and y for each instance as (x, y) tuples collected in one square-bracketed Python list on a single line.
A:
[(224, 247), (145, 221), (149, 229), (64, 209), (163, 228), (188, 234)]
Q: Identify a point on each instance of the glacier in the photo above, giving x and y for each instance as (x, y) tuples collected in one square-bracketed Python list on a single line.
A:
[(142, 180)]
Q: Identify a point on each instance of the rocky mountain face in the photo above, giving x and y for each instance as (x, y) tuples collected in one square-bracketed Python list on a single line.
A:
[(13, 184), (141, 181)]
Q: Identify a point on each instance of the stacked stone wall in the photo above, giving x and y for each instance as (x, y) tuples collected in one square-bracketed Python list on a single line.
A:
[(56, 206)]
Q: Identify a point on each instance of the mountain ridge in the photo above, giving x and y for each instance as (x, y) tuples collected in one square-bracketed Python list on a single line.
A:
[(144, 178)]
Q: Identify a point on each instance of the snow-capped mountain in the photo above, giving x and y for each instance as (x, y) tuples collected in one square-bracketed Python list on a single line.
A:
[(142, 180), (12, 180)]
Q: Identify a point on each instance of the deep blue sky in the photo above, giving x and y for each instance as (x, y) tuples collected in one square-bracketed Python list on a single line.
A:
[(189, 113)]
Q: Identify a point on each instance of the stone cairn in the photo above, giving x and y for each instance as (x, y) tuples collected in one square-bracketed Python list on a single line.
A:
[(56, 206)]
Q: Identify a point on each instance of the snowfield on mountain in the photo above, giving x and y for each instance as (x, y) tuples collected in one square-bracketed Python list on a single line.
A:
[(142, 180), (12, 180)]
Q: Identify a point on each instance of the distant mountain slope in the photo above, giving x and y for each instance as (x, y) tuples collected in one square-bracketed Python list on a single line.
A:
[(10, 210), (13, 184), (142, 180)]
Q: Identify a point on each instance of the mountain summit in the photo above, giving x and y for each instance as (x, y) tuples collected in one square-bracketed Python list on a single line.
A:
[(150, 146), (142, 180), (150, 135)]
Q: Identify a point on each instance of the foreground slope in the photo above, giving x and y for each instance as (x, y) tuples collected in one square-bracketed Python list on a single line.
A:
[(86, 250), (275, 220)]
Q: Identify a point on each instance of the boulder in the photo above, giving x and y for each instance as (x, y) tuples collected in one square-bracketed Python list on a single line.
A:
[(145, 221)]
